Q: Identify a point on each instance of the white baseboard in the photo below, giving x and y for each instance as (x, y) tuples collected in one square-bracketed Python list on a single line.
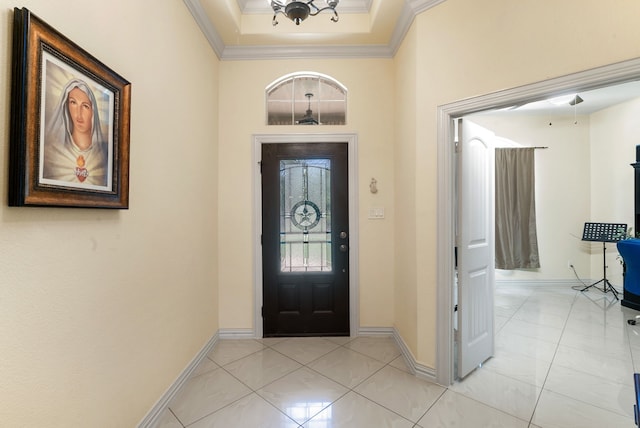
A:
[(156, 411), (419, 370), (374, 331), (541, 282), (237, 333)]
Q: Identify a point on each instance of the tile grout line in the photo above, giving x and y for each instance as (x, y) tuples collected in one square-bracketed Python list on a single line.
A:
[(615, 381), (529, 422), (384, 364), (302, 365), (222, 367), (352, 389), (575, 298)]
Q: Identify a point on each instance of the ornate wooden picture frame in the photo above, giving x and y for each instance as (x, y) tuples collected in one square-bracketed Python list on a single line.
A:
[(70, 117)]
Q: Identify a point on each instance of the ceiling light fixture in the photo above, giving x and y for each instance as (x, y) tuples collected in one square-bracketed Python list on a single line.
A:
[(570, 99), (308, 118), (576, 100), (298, 11)]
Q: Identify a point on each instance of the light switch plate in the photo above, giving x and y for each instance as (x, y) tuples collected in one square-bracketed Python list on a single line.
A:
[(376, 213)]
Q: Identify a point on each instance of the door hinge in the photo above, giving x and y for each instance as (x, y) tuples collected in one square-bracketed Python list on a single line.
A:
[(260, 163), (262, 312)]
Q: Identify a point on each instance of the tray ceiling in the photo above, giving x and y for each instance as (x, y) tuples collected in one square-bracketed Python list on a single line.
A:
[(242, 29)]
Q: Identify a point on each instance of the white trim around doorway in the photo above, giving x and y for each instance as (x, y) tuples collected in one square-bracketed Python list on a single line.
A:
[(578, 82), (352, 144)]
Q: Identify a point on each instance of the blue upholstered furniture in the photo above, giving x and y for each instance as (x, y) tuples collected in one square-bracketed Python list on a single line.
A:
[(629, 249), (636, 407)]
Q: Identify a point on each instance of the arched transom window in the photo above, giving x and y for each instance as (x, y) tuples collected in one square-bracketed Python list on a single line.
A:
[(306, 98)]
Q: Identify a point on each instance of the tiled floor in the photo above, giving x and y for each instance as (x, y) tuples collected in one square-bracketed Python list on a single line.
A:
[(564, 358)]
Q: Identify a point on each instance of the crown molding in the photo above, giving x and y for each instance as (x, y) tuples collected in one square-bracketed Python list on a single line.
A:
[(410, 10), (236, 53), (419, 6), (210, 32)]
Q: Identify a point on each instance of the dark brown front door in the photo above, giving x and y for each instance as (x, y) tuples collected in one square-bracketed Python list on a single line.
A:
[(305, 239)]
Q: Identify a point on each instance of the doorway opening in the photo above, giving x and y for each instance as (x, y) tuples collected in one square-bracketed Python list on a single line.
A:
[(338, 139), (591, 79)]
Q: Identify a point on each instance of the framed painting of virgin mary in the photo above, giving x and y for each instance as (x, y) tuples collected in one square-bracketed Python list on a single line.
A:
[(69, 123)]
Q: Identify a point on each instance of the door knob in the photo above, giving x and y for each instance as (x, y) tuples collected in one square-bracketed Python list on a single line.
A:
[(343, 248), (343, 234)]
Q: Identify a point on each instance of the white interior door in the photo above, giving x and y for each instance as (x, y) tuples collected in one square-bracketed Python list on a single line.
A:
[(475, 246)]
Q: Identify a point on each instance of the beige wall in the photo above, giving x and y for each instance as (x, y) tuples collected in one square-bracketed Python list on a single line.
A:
[(370, 85), (615, 133), (467, 48), (405, 291), (102, 309)]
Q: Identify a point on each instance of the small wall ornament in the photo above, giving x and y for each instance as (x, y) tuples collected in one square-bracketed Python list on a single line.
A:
[(373, 186)]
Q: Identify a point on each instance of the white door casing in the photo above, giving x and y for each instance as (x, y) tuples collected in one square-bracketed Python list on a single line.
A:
[(352, 142)]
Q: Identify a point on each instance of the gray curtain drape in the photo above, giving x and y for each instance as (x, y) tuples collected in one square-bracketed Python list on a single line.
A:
[(516, 236)]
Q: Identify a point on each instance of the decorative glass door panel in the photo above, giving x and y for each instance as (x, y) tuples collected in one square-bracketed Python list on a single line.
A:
[(305, 215)]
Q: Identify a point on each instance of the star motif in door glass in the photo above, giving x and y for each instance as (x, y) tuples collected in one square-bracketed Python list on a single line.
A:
[(305, 215)]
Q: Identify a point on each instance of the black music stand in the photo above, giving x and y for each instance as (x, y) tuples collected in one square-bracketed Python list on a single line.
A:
[(604, 232)]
